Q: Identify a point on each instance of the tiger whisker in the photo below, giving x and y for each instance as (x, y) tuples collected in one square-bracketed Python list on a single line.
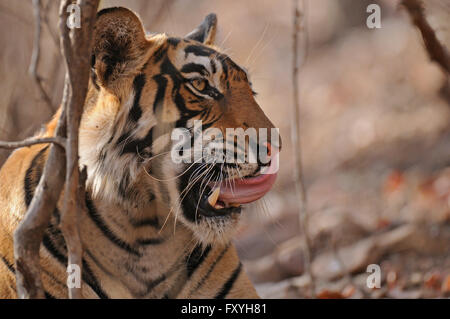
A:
[(171, 209), (225, 38), (189, 187), (257, 43), (174, 177), (146, 160), (183, 194)]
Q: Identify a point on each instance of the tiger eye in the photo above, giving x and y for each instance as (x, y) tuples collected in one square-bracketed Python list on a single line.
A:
[(199, 84)]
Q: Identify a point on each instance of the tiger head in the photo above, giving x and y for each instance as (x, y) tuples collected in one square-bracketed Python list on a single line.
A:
[(152, 99)]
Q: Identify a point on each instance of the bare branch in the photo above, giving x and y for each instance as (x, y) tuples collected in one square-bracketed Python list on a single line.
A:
[(33, 141), (77, 54), (28, 236), (436, 51), (295, 134)]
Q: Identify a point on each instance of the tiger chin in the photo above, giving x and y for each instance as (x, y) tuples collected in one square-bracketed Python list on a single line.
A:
[(154, 227)]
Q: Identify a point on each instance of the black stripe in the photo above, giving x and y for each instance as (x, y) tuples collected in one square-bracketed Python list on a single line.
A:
[(196, 258), (136, 146), (155, 283), (48, 295), (150, 241), (152, 284), (8, 265), (210, 270), (173, 41), (198, 50), (52, 249), (124, 185), (122, 138), (145, 222), (213, 66), (31, 182), (53, 239), (229, 284), (92, 281), (88, 276), (223, 62), (96, 218), (206, 113), (53, 278), (194, 67), (55, 281), (111, 62), (138, 85), (168, 68), (181, 105), (159, 53), (161, 82)]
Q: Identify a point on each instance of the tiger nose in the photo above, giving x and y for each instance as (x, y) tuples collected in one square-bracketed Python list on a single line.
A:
[(270, 153), (272, 150), (273, 142), (269, 149)]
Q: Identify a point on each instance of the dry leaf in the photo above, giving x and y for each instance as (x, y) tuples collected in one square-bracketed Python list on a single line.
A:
[(432, 280), (348, 291), (394, 182), (329, 294)]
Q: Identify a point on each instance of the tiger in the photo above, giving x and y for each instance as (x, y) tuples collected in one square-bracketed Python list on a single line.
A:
[(153, 227)]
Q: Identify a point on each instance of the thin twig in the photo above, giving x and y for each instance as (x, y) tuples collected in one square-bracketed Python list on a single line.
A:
[(35, 56), (33, 141), (295, 134), (37, 37), (10, 13), (44, 18), (436, 51)]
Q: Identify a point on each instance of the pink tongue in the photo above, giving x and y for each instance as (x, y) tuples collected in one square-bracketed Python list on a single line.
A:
[(242, 191), (247, 190)]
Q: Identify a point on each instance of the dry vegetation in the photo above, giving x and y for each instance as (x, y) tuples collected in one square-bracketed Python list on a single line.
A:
[(375, 114)]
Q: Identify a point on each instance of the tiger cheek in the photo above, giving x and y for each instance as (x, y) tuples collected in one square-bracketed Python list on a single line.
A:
[(170, 114)]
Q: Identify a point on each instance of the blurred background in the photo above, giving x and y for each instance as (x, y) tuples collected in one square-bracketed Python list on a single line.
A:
[(375, 114)]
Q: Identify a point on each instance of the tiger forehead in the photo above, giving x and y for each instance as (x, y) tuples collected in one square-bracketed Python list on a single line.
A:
[(193, 57)]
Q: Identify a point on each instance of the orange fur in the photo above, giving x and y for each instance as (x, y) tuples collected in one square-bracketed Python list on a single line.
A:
[(117, 263)]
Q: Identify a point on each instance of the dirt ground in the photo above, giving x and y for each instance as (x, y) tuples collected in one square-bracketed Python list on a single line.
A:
[(375, 114)]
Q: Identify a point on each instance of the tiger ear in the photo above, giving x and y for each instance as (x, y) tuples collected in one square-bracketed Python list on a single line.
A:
[(206, 31), (120, 47)]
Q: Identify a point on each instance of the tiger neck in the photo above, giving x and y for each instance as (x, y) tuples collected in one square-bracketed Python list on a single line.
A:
[(138, 247), (151, 222), (113, 149)]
